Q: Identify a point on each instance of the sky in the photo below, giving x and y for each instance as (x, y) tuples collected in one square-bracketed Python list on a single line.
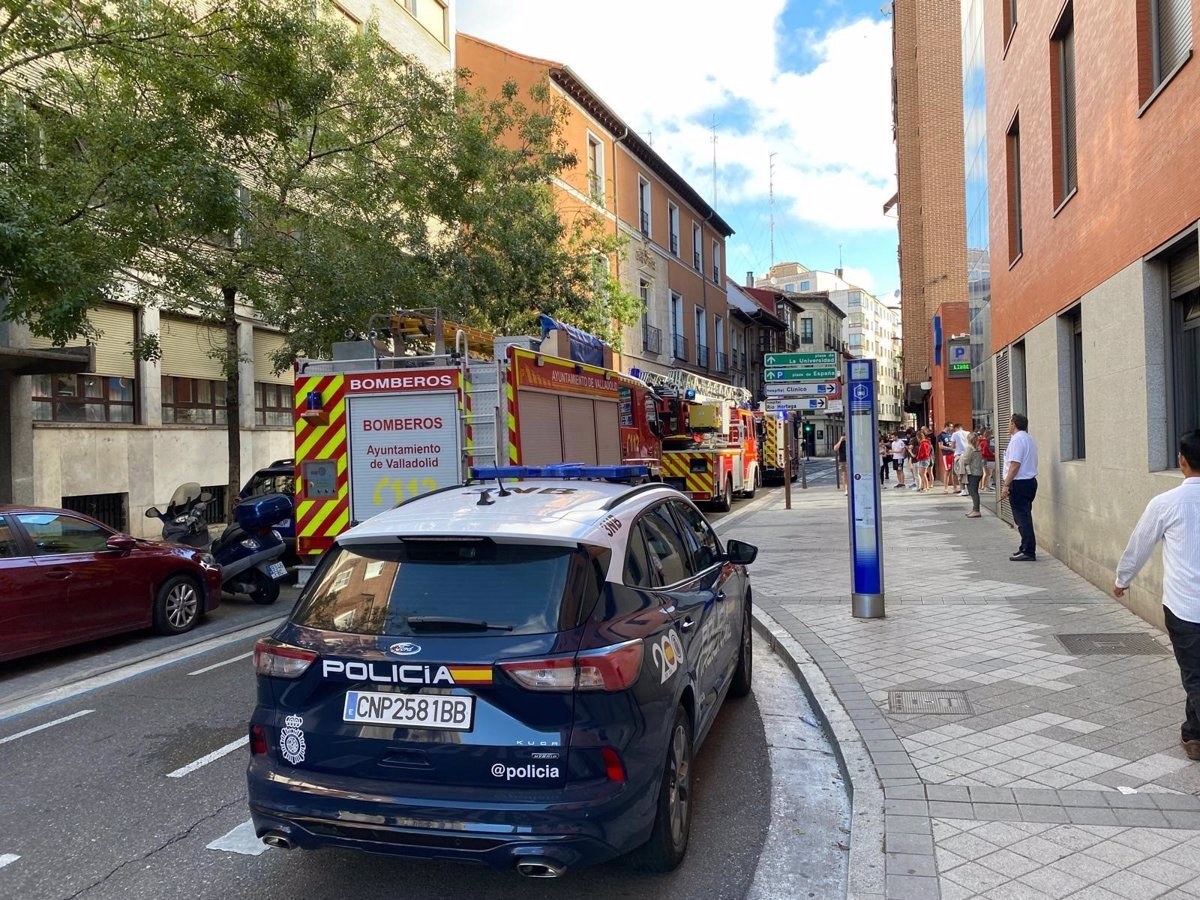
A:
[(805, 80)]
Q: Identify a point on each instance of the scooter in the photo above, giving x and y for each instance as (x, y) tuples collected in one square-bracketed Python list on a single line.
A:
[(249, 551)]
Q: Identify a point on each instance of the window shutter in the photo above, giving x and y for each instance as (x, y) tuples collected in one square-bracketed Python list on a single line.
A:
[(186, 346), (114, 350), (1183, 271), (266, 343), (1068, 105), (1174, 34), (1003, 416)]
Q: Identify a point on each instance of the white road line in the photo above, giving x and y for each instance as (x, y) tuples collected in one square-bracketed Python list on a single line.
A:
[(223, 663), (241, 840), (6, 858), (209, 757), (21, 734)]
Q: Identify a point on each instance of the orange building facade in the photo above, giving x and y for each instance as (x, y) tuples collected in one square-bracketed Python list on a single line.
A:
[(675, 253)]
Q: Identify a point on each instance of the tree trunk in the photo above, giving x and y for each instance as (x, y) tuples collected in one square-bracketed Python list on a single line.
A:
[(233, 426)]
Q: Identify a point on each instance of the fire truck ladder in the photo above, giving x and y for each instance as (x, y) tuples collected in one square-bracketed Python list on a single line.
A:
[(703, 389)]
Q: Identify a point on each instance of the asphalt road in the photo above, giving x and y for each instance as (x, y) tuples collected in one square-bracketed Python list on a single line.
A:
[(119, 790)]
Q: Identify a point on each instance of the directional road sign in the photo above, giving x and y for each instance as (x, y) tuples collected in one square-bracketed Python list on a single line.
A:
[(804, 389), (803, 404), (812, 360), (800, 374)]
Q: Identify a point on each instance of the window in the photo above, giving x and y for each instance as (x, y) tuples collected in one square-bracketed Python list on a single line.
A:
[(595, 169), (1013, 160), (1070, 334), (53, 533), (1169, 46), (805, 285), (668, 557), (192, 401), (637, 564), (856, 340), (673, 225), (806, 331), (701, 338), (1183, 288), (9, 548), (83, 398), (716, 262), (644, 205), (697, 250), (701, 540), (111, 509), (1062, 105), (272, 405), (790, 287), (1010, 19), (678, 341)]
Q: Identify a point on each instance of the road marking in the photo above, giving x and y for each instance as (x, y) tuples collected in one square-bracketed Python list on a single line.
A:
[(223, 663), (209, 757), (6, 858), (241, 840), (21, 734)]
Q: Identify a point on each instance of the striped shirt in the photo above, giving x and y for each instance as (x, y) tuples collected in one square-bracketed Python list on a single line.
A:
[(1172, 517)]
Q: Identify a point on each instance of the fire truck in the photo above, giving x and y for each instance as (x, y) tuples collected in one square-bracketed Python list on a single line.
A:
[(772, 445), (710, 445), (389, 418)]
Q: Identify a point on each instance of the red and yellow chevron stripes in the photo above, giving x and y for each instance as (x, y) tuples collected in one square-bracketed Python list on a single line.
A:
[(771, 453), (678, 464), (510, 393), (321, 519)]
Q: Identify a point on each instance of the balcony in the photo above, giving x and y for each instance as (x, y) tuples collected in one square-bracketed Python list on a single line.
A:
[(646, 222), (651, 338), (722, 363), (738, 360), (702, 356), (679, 347)]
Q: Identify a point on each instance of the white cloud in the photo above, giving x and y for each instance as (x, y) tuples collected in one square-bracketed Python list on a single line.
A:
[(830, 126), (859, 278)]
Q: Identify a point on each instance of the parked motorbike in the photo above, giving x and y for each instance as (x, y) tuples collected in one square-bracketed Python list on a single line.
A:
[(249, 550)]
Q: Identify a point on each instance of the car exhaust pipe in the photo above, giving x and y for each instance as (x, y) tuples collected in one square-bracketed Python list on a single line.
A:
[(278, 841), (540, 868)]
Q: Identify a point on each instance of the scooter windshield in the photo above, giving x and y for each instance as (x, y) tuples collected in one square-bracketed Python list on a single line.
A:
[(185, 495)]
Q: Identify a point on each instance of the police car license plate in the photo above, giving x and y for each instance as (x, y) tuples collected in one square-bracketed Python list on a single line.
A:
[(440, 711), (277, 571)]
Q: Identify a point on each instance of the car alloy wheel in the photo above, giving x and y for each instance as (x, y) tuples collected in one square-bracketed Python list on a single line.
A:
[(679, 795), (182, 605)]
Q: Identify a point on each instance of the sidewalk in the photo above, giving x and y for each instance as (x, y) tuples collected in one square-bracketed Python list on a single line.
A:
[(1047, 763)]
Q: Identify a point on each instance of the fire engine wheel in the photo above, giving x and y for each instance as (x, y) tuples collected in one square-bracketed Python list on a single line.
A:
[(726, 501), (755, 483)]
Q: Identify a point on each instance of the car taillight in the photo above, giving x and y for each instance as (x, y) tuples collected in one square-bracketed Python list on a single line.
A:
[(612, 668), (613, 767), (258, 740), (276, 660)]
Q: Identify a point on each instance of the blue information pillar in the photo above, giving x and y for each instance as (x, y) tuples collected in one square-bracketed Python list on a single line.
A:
[(866, 529)]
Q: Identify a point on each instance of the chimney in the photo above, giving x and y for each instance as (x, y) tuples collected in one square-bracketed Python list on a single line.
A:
[(838, 271), (749, 279)]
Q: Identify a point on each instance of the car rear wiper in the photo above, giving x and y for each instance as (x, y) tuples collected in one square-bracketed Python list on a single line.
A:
[(434, 622)]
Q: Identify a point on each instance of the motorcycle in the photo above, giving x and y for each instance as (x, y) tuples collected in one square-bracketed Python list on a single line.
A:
[(249, 551)]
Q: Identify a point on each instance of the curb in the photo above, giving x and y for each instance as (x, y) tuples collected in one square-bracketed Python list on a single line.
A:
[(865, 876)]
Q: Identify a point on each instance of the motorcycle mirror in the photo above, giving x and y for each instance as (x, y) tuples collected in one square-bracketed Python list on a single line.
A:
[(205, 497), (153, 513)]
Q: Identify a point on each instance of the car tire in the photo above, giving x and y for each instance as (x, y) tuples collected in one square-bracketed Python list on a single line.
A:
[(726, 501), (177, 605), (743, 675), (673, 819), (266, 588)]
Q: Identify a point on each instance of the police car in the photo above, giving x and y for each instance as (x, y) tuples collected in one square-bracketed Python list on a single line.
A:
[(513, 673)]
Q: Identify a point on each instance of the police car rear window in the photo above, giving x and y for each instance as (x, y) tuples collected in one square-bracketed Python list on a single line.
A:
[(445, 587)]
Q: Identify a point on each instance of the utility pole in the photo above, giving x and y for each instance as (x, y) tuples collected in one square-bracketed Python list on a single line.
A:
[(771, 196)]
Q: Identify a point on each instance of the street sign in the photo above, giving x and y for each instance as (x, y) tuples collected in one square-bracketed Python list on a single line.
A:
[(804, 389), (826, 374), (833, 406), (812, 360), (796, 404), (866, 531)]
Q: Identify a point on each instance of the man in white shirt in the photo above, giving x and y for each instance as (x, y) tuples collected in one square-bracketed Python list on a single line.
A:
[(959, 441), (1174, 518), (1020, 485), (899, 448)]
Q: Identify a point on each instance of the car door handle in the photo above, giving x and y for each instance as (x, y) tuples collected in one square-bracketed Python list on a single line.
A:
[(58, 573), (687, 624)]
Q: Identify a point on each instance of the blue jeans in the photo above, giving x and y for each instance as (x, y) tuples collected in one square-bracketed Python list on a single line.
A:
[(1185, 641), (1020, 498)]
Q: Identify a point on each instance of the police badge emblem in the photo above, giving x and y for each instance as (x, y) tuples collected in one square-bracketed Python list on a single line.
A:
[(291, 740)]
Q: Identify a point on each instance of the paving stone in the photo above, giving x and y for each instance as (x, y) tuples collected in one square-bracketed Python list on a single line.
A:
[(910, 864), (1005, 812), (912, 887), (910, 843), (950, 810), (906, 825), (1131, 886)]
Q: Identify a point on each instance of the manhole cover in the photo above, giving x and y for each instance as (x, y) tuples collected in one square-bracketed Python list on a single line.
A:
[(930, 703), (1111, 644)]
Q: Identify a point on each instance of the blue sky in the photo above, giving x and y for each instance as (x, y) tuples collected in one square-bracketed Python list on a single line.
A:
[(807, 81)]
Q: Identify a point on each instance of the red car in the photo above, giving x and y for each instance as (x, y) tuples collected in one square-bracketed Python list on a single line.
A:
[(66, 578)]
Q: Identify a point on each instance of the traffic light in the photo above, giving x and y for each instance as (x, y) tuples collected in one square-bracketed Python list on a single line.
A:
[(809, 427)]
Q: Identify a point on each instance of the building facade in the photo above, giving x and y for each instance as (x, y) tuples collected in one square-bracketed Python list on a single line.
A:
[(93, 429), (1095, 311), (676, 241), (928, 129)]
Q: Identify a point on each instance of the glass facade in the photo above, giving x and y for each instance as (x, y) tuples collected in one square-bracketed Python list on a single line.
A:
[(979, 279)]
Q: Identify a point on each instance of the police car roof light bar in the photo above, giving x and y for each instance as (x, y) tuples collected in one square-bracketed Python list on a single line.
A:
[(559, 470)]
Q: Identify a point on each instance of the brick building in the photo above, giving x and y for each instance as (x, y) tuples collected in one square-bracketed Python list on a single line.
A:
[(1092, 139)]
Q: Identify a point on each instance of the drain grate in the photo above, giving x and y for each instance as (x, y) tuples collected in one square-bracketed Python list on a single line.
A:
[(1111, 644), (930, 703)]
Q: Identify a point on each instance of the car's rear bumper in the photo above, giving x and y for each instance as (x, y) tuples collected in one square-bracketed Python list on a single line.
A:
[(314, 811)]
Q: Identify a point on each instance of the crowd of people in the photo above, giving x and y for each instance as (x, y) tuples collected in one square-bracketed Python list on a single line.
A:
[(964, 461)]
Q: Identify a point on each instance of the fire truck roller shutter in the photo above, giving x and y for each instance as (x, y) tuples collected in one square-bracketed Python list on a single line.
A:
[(608, 433), (539, 429), (579, 430)]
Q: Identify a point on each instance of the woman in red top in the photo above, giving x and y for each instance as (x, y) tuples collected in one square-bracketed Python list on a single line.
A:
[(989, 458), (925, 461)]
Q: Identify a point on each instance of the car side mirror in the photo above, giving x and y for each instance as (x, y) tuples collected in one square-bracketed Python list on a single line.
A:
[(153, 513), (121, 542), (740, 552)]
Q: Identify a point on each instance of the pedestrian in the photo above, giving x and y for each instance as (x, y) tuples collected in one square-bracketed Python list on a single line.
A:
[(910, 458), (1173, 517), (946, 451), (988, 452), (925, 460), (1020, 485), (840, 449), (959, 439), (899, 447), (885, 459), (971, 463)]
